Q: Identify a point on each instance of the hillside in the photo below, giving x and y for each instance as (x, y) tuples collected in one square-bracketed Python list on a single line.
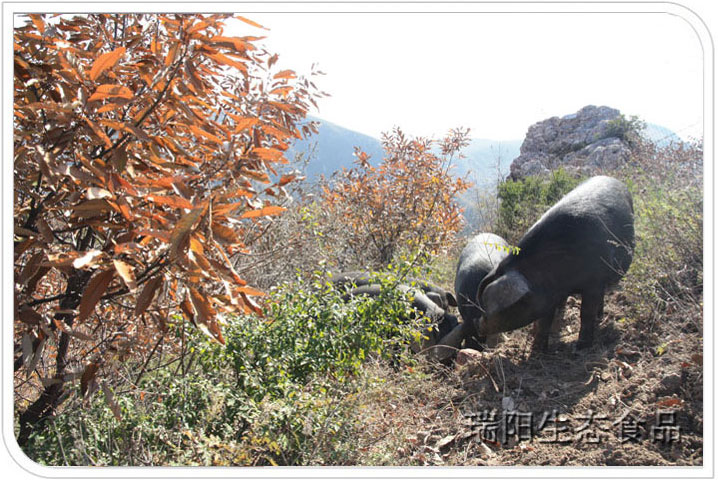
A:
[(182, 298), (484, 160), (332, 149)]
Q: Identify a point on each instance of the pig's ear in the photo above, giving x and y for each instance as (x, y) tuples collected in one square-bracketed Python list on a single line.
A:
[(504, 292), (451, 299), (434, 297)]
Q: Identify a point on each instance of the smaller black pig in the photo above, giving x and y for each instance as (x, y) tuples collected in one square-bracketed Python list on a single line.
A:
[(480, 255)]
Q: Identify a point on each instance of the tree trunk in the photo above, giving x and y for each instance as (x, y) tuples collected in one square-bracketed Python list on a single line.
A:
[(35, 416)]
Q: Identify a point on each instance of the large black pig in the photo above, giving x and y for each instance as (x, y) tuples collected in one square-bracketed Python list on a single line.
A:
[(581, 245)]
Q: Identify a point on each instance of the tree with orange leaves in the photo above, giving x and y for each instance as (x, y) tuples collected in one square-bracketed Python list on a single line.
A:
[(407, 200), (145, 149)]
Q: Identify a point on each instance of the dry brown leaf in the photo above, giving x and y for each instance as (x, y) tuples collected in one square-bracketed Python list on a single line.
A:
[(110, 91), (173, 201), (670, 402), (186, 308), (29, 316), (262, 212), (126, 272), (206, 315), (61, 259), (88, 376), (95, 289), (27, 350), (36, 356), (100, 134), (31, 267), (45, 230), (147, 295), (179, 239), (249, 22), (96, 192), (88, 259), (250, 291), (224, 234), (110, 399)]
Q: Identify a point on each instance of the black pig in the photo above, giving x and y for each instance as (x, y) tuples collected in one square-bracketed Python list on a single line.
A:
[(581, 245), (443, 298), (480, 255)]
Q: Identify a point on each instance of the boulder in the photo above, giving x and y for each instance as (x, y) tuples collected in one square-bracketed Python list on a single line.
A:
[(584, 142)]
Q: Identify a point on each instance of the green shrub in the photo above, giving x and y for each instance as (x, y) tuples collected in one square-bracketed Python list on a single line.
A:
[(279, 392), (627, 129), (523, 202), (666, 275), (155, 423)]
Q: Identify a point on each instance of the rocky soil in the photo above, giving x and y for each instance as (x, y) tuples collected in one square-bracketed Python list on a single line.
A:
[(634, 398)]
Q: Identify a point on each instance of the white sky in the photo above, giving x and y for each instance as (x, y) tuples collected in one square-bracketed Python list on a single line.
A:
[(496, 73)]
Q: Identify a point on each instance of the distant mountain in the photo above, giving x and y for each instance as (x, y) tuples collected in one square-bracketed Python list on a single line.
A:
[(661, 136), (486, 160), (483, 160), (332, 148)]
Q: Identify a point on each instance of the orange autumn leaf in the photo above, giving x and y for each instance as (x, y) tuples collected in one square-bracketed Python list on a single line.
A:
[(268, 154), (179, 239), (243, 123), (205, 134), (249, 22), (234, 43), (110, 91), (225, 60), (285, 179), (108, 107), (205, 314), (250, 291), (98, 131), (170, 200), (285, 74), (263, 212), (172, 54), (105, 61)]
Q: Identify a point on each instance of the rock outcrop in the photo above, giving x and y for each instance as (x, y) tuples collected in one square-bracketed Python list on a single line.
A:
[(584, 142)]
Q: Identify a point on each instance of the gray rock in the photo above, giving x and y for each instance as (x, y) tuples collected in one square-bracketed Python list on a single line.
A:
[(580, 142)]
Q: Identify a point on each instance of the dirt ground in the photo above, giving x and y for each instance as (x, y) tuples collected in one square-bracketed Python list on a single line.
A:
[(634, 398)]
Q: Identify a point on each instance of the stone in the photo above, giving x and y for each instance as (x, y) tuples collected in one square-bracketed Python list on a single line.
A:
[(445, 442), (582, 143), (468, 356)]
